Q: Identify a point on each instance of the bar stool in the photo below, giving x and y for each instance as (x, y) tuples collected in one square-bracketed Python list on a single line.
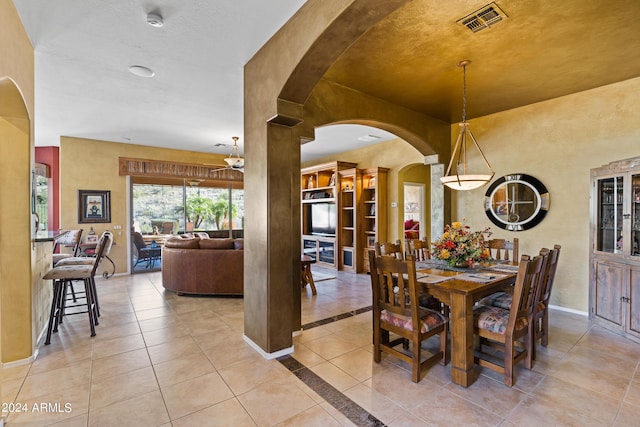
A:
[(62, 276), (90, 260), (306, 278)]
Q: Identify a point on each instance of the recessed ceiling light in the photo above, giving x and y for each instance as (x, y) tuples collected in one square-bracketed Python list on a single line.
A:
[(142, 71), (155, 20)]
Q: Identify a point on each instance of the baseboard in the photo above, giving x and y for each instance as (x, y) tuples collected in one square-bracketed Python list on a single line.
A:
[(263, 353), (20, 362), (569, 310)]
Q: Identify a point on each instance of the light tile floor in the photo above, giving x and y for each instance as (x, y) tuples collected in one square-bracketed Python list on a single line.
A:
[(163, 360)]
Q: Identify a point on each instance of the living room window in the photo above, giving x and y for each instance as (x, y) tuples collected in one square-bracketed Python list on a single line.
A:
[(158, 206), (161, 207)]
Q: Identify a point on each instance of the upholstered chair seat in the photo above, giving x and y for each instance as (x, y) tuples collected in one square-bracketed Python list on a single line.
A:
[(429, 320), (498, 299), (495, 319)]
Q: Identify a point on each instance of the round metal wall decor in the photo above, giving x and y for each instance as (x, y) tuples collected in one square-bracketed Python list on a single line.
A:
[(516, 202)]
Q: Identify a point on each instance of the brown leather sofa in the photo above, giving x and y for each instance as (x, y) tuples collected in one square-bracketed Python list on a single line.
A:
[(203, 266)]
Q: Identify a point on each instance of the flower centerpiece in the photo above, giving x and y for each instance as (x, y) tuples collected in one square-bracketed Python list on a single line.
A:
[(460, 246)]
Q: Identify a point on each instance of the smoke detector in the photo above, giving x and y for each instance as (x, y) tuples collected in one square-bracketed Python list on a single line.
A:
[(141, 71), (155, 20)]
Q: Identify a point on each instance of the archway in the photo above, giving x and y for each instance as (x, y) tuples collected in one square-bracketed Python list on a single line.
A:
[(280, 112), (16, 336)]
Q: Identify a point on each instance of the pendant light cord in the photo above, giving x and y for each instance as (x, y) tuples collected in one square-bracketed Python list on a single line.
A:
[(464, 93)]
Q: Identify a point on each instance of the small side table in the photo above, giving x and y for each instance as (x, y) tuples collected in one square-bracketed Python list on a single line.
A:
[(306, 278)]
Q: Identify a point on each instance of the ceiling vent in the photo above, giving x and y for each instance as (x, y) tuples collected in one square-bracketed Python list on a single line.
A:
[(483, 18)]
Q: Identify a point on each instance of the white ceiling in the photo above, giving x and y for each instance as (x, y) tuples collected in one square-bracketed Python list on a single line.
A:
[(83, 49)]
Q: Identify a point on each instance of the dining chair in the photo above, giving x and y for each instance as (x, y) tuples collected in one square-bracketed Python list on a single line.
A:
[(396, 311), (508, 331), (419, 248), (541, 314), (503, 250), (388, 248), (61, 276)]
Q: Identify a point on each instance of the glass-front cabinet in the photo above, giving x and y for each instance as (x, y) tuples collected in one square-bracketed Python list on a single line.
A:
[(618, 215), (614, 277)]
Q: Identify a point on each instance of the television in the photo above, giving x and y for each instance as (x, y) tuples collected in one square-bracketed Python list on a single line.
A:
[(322, 218)]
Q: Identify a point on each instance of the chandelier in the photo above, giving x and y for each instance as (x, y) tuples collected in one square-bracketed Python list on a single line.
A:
[(234, 160), (459, 178)]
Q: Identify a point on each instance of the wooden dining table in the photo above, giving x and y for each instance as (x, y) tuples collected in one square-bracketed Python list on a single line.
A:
[(460, 289)]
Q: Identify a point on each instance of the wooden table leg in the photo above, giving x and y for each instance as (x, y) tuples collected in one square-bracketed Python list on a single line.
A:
[(461, 324)]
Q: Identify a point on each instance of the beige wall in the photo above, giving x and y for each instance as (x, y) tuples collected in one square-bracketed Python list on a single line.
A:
[(558, 142), (87, 164), (16, 148)]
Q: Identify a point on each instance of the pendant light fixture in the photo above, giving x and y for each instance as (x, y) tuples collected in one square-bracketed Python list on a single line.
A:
[(460, 178), (234, 160)]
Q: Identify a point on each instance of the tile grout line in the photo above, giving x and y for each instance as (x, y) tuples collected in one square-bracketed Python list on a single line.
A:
[(335, 318), (330, 394)]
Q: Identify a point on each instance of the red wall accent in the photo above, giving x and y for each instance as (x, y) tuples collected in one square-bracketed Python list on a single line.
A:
[(51, 156)]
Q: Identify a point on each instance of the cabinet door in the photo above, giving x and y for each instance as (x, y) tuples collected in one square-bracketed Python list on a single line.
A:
[(326, 252), (633, 304), (610, 200), (310, 248), (609, 280)]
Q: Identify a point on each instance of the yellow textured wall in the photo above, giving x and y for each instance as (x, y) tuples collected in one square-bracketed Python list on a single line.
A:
[(395, 155), (87, 164), (558, 142), (16, 53), (16, 107)]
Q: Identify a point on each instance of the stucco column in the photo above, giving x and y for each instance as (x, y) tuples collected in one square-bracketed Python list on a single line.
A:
[(272, 264)]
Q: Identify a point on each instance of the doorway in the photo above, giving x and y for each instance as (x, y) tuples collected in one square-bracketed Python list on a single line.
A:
[(414, 211)]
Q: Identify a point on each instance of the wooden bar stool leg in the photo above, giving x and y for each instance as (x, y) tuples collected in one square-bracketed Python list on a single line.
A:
[(307, 278)]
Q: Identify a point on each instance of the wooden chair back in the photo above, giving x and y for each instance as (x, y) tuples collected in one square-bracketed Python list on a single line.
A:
[(420, 249), (388, 248), (514, 341), (503, 250), (549, 274), (396, 310), (540, 323)]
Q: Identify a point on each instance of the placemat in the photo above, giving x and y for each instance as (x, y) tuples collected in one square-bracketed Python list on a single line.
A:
[(480, 277), (432, 278), (505, 267)]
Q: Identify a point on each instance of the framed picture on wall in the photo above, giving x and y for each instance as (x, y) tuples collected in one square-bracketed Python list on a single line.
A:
[(94, 206)]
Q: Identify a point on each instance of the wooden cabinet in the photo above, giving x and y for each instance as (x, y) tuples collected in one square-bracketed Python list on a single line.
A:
[(374, 210), (344, 212), (348, 221), (614, 277), (321, 202)]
